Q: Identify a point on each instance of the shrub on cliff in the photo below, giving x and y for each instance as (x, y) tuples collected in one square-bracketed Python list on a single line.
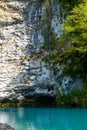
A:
[(73, 53)]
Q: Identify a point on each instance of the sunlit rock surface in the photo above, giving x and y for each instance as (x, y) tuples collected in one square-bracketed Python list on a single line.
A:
[(23, 73)]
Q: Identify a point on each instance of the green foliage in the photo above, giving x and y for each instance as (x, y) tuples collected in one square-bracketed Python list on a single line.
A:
[(73, 53), (76, 25), (69, 4), (76, 98), (41, 1)]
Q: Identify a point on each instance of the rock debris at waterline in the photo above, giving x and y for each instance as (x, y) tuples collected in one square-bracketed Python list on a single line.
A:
[(5, 127)]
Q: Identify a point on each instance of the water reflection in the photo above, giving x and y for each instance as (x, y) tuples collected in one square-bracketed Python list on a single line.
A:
[(44, 118), (3, 117)]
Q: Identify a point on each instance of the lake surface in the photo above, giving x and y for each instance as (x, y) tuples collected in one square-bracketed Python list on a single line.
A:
[(44, 118)]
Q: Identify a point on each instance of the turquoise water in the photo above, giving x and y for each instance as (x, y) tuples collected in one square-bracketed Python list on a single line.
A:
[(44, 118)]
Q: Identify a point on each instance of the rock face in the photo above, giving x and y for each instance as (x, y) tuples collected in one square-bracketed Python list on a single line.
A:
[(5, 127), (23, 31)]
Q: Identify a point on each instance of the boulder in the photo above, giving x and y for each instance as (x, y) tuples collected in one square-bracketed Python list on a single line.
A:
[(5, 127)]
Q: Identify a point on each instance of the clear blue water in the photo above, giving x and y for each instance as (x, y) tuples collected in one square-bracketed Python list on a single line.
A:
[(44, 118)]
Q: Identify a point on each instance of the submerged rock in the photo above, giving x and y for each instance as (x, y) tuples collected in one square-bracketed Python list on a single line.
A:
[(5, 127)]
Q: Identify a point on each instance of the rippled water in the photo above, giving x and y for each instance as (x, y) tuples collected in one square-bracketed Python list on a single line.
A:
[(44, 118)]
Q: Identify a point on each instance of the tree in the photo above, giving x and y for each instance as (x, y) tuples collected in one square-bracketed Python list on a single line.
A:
[(74, 56)]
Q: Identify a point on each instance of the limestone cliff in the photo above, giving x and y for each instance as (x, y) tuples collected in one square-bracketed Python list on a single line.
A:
[(24, 28)]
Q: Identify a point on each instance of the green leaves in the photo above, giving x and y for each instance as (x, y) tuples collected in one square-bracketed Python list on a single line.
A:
[(76, 24), (74, 57)]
